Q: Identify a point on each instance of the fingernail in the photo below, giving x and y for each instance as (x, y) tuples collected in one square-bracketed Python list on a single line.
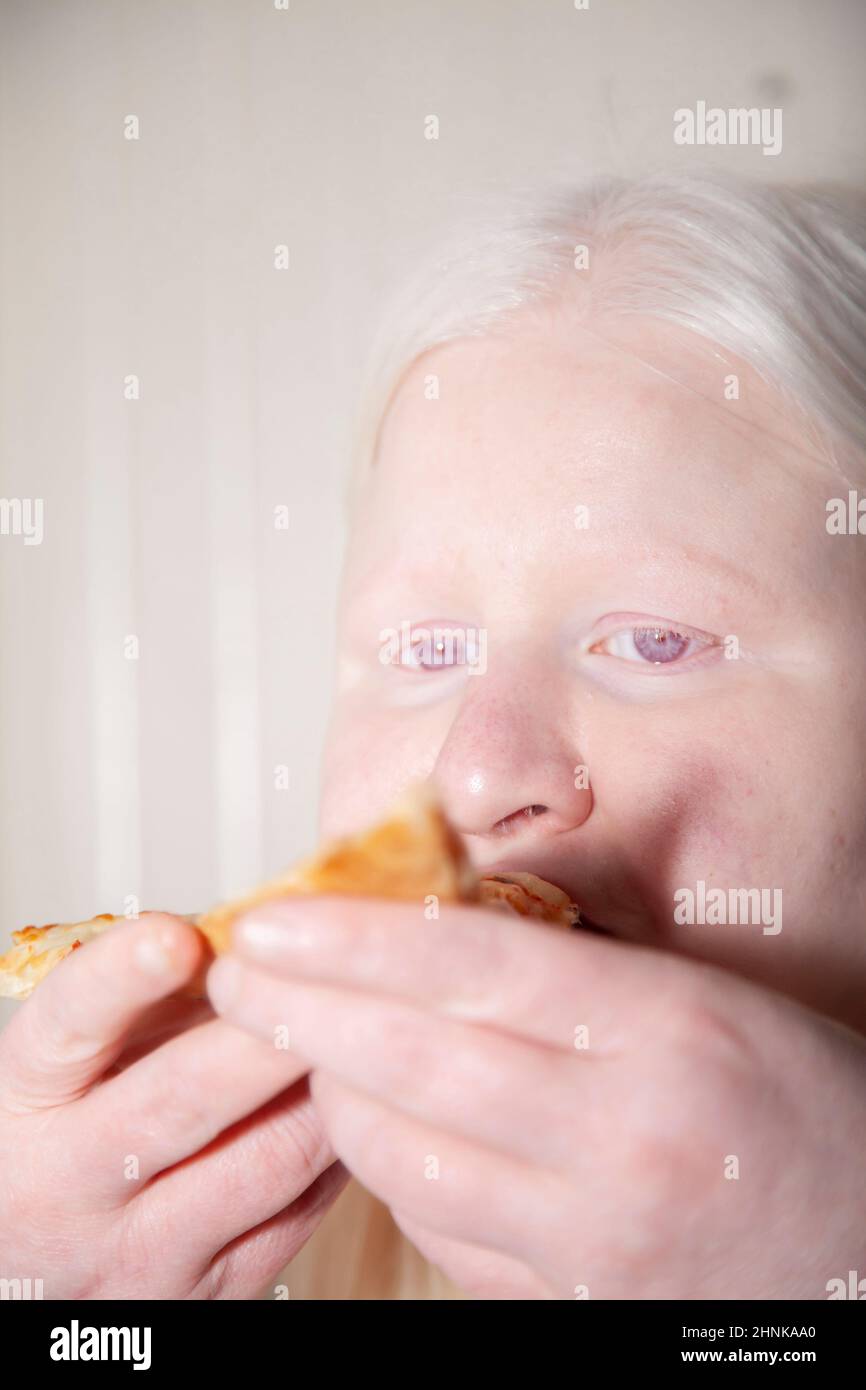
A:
[(154, 953), (261, 936)]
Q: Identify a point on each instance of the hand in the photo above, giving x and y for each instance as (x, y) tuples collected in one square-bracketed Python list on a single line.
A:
[(147, 1149), (446, 1071)]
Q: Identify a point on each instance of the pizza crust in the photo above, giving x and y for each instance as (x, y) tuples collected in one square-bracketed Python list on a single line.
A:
[(413, 855)]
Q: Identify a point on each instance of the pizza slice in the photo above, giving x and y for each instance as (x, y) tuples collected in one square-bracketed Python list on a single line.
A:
[(413, 855)]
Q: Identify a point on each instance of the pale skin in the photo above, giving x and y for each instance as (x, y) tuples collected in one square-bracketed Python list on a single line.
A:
[(562, 1169), (148, 1149), (708, 1142)]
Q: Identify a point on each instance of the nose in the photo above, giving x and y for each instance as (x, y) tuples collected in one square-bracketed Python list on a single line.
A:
[(509, 768)]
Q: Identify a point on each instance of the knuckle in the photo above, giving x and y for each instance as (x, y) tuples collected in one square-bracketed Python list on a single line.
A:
[(293, 1143), (143, 1257), (703, 1031), (653, 1169), (175, 1105)]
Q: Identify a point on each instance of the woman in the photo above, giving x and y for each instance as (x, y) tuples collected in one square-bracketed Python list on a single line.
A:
[(607, 439)]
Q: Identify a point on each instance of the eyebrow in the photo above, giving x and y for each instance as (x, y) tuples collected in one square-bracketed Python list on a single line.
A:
[(696, 555), (376, 583), (715, 560)]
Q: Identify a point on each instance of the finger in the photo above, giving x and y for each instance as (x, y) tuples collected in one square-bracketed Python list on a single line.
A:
[(172, 1103), (165, 1020), (248, 1267), (472, 964), (485, 1085), (252, 1171), (452, 1188), (75, 1025), (480, 1272)]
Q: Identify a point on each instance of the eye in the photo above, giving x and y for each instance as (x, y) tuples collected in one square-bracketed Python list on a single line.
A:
[(654, 644), (429, 648)]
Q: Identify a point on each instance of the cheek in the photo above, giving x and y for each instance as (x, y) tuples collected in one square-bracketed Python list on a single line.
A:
[(370, 757), (720, 820), (719, 801), (690, 809)]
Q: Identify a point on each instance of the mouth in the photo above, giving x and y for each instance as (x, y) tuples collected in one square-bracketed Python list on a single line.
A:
[(550, 893), (585, 923)]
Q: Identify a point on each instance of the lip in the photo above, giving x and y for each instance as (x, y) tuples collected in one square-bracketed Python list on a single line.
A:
[(587, 924)]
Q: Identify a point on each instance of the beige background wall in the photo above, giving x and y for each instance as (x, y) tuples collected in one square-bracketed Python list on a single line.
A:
[(155, 777)]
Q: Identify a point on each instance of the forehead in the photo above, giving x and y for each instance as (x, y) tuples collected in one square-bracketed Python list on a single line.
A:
[(516, 432)]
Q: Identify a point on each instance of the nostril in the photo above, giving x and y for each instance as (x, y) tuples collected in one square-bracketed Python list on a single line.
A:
[(510, 823)]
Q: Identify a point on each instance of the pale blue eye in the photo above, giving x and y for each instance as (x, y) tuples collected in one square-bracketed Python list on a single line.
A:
[(652, 645), (430, 652), (659, 643)]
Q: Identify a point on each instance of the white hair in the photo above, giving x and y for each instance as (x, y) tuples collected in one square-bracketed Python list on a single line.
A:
[(773, 274)]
